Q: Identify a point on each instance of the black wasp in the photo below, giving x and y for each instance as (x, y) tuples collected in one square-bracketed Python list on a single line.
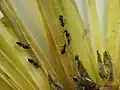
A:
[(67, 34), (61, 20), (33, 62), (25, 46), (63, 49)]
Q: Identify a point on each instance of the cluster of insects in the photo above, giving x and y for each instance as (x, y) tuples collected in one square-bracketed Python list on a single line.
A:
[(67, 34), (105, 67), (30, 60)]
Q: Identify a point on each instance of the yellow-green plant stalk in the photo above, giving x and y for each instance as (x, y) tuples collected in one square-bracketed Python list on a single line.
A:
[(4, 85), (46, 45), (77, 38), (16, 62), (113, 36)]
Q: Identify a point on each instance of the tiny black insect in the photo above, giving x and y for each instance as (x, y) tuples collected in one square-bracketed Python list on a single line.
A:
[(26, 46), (33, 62), (61, 20), (63, 49), (23, 45), (62, 24), (36, 65), (76, 57), (7, 76), (19, 43), (67, 34), (69, 40), (30, 60)]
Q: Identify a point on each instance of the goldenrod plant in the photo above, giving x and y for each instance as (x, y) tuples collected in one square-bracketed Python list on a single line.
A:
[(59, 45)]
